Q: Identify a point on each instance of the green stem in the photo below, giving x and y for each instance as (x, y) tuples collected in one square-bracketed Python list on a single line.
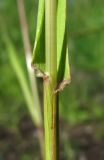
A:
[(50, 82)]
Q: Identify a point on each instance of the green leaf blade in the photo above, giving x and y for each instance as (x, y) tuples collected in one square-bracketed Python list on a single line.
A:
[(62, 44), (38, 58)]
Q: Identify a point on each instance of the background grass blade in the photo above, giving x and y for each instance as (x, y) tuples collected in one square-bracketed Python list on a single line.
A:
[(14, 60)]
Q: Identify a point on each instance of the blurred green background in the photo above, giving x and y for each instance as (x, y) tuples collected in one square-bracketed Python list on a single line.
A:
[(82, 102)]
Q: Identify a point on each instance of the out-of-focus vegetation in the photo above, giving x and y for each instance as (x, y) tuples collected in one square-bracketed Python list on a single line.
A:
[(83, 101), (12, 98)]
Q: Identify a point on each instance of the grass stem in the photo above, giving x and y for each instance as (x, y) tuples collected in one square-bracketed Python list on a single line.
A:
[(50, 82)]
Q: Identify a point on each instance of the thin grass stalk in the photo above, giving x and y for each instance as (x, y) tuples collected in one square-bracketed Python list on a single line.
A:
[(50, 82), (32, 79)]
